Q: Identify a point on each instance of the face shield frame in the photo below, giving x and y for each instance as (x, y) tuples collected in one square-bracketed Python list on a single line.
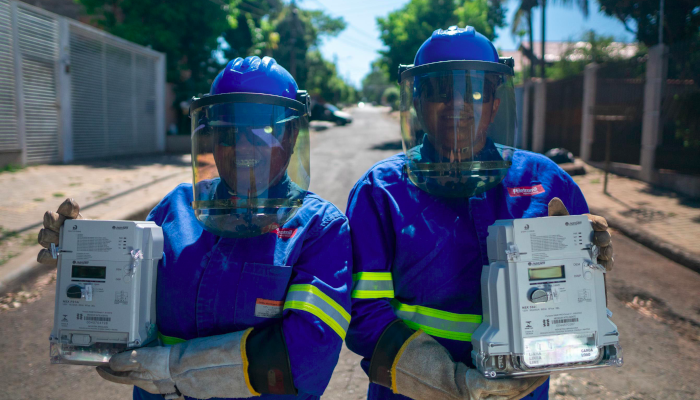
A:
[(251, 215), (458, 176)]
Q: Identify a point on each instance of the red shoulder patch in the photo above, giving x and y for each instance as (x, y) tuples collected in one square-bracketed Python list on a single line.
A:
[(285, 233), (526, 191)]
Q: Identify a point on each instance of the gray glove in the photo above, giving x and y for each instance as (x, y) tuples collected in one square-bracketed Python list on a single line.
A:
[(426, 371), (601, 235), (203, 368), (52, 226)]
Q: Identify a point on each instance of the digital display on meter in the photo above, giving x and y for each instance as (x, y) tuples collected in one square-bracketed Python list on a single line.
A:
[(536, 274), (88, 272)]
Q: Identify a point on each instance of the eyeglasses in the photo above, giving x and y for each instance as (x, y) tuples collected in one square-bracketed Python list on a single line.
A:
[(441, 89), (265, 136)]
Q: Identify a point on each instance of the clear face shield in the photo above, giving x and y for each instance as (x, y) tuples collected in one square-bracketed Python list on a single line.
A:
[(458, 126), (250, 159)]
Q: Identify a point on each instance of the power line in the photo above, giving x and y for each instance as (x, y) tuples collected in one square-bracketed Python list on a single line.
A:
[(348, 24), (374, 5)]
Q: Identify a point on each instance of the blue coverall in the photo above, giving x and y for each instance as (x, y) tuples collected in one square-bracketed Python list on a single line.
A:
[(419, 257), (298, 275)]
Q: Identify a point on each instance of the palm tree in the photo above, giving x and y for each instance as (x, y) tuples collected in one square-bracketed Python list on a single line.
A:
[(522, 16), (526, 7)]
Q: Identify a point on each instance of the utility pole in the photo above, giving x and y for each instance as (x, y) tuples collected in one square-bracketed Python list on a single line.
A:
[(544, 6), (661, 22), (293, 39), (531, 36)]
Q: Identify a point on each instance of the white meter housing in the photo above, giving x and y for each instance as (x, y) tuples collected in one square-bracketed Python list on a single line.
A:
[(543, 298), (105, 289)]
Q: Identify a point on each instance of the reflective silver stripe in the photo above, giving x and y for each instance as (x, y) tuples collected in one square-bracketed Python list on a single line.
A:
[(308, 297), (438, 323), (373, 285)]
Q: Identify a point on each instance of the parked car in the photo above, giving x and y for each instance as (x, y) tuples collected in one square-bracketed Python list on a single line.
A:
[(329, 112)]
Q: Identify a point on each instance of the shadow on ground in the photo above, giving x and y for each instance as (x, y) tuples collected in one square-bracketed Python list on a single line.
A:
[(136, 161), (393, 145)]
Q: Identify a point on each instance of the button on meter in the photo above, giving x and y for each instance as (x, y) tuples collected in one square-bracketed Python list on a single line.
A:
[(539, 296), (74, 292)]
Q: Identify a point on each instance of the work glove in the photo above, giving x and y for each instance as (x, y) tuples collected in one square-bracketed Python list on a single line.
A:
[(52, 226), (601, 236), (415, 365), (426, 371), (214, 366)]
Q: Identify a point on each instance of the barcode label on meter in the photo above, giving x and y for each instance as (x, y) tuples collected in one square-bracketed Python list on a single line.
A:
[(564, 320)]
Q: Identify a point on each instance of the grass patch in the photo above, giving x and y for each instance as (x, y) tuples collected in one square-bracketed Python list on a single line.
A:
[(75, 184), (11, 168), (29, 239), (596, 180), (58, 194), (38, 199), (7, 257), (99, 194)]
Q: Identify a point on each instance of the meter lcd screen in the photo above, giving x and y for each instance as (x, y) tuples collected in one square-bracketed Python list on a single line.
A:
[(89, 272), (536, 274)]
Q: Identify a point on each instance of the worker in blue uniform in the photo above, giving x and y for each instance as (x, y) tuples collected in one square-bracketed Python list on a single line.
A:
[(419, 223), (253, 291)]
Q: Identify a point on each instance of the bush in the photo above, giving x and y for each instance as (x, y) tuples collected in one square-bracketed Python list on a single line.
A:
[(392, 97)]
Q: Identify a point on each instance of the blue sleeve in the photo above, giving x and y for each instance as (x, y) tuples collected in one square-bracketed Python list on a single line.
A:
[(576, 200), (317, 308), (373, 244)]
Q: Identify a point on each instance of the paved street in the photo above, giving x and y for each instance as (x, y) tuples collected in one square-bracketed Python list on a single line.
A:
[(656, 302)]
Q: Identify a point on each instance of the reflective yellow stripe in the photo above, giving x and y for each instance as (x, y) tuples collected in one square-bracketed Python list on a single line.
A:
[(464, 337), (169, 340), (309, 298), (372, 285), (432, 312), (372, 294), (438, 323), (372, 276)]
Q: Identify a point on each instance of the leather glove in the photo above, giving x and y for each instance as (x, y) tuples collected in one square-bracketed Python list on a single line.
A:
[(425, 370), (601, 236), (202, 368), (53, 221)]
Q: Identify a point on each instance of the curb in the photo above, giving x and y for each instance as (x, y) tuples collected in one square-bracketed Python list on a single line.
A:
[(25, 267), (663, 247)]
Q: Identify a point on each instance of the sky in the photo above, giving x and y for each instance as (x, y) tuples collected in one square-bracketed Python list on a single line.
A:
[(356, 47)]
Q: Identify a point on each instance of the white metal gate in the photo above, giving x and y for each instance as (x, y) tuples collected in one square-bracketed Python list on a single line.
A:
[(69, 91), (9, 140), (37, 36)]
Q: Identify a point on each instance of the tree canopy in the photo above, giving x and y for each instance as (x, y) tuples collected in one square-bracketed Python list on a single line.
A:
[(681, 30), (196, 35), (403, 31)]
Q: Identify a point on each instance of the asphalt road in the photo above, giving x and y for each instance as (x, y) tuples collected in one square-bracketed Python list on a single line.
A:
[(656, 305)]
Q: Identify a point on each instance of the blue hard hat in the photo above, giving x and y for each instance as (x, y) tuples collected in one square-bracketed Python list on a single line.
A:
[(253, 75), (456, 44)]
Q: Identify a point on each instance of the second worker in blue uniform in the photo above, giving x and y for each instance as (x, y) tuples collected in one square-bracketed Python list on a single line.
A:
[(419, 223)]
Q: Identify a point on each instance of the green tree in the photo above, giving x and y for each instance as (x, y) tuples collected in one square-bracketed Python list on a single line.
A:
[(323, 82), (521, 25), (392, 97), (302, 31), (190, 33), (404, 31), (375, 83), (187, 32), (681, 30)]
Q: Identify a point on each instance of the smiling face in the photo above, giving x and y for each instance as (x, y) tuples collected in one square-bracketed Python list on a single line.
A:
[(252, 159), (456, 111)]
